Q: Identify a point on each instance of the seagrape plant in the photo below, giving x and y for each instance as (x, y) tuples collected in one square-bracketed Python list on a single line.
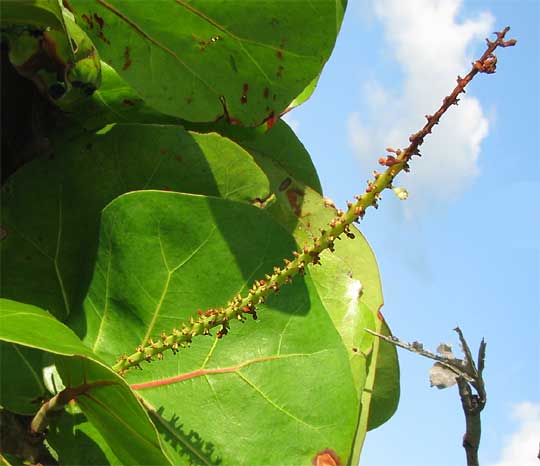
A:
[(175, 288)]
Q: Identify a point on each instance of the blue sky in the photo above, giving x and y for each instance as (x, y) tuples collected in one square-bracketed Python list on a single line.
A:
[(464, 249)]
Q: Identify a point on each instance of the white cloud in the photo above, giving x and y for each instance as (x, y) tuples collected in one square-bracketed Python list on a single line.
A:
[(431, 47), (521, 449)]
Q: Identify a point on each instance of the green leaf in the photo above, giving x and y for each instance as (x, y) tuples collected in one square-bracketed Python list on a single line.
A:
[(385, 397), (51, 207), (203, 60), (163, 255), (37, 13), (278, 143), (113, 408), (22, 391), (305, 94), (283, 147), (30, 326)]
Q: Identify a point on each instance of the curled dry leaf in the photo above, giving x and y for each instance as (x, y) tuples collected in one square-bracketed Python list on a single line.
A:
[(442, 377), (445, 350)]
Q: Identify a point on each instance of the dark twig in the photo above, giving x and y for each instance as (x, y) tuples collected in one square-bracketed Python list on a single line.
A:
[(454, 365), (468, 375)]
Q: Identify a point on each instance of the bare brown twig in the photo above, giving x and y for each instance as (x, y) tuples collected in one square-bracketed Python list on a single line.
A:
[(468, 375)]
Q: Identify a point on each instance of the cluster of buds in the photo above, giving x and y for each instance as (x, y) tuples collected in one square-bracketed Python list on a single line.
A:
[(390, 160), (240, 306)]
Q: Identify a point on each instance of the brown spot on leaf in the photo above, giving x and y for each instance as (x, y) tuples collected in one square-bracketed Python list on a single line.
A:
[(178, 158), (205, 43), (293, 196), (88, 20), (189, 100), (128, 102), (202, 45), (279, 52), (285, 184), (326, 458), (279, 71), (103, 38), (99, 20), (162, 151), (266, 92), (380, 316), (3, 232), (100, 23), (127, 59), (271, 120), (245, 89)]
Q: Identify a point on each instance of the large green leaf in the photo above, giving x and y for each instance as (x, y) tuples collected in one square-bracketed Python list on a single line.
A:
[(201, 60), (242, 399), (109, 403), (51, 208)]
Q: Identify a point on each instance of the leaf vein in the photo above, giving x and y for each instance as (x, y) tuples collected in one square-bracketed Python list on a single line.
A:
[(273, 403)]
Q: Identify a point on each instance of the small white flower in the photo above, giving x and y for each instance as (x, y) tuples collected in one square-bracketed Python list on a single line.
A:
[(401, 193)]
